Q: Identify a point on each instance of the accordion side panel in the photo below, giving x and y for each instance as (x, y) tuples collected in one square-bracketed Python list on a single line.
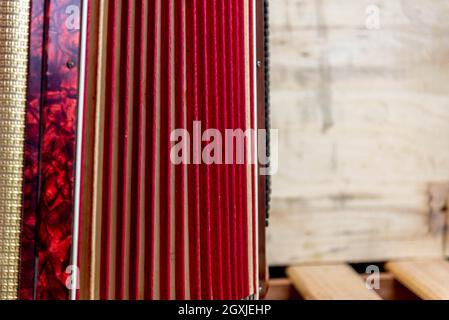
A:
[(262, 122), (57, 148), (14, 21)]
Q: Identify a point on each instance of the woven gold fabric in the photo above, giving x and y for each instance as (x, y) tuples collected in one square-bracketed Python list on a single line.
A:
[(14, 26)]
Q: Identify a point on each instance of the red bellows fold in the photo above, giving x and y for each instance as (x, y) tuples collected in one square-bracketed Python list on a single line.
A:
[(192, 61), (205, 201), (225, 249), (214, 121), (137, 145), (231, 108), (150, 147), (180, 171), (123, 144), (165, 207), (109, 129)]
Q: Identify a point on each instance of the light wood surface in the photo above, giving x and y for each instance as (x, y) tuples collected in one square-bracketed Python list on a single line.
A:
[(363, 123), (330, 282), (427, 279)]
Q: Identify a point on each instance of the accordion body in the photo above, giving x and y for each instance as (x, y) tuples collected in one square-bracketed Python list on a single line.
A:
[(98, 100)]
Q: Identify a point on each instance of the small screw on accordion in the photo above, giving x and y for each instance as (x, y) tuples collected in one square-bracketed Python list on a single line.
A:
[(130, 138)]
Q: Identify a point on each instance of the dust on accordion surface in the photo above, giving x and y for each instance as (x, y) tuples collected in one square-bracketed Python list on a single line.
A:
[(14, 20)]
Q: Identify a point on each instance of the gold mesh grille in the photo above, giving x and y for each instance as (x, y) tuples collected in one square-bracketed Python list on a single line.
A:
[(14, 23)]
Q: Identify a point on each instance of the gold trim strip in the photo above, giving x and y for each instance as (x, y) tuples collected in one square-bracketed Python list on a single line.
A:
[(14, 23)]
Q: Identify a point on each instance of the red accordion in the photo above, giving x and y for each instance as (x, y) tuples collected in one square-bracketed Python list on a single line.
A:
[(131, 145)]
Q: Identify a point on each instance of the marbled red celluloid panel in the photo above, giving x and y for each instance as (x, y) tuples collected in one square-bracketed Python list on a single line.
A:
[(31, 161), (50, 147)]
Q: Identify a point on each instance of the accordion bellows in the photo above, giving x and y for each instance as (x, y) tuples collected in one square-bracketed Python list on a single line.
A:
[(93, 205)]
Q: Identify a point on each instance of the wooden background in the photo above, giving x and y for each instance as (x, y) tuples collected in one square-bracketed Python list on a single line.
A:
[(363, 119)]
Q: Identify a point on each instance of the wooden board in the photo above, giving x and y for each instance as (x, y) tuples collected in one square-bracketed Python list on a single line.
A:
[(331, 282), (281, 289), (427, 279), (390, 289), (363, 122)]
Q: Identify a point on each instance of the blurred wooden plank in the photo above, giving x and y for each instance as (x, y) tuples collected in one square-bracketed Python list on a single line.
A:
[(330, 282), (302, 233), (427, 279), (281, 289), (391, 289), (361, 131)]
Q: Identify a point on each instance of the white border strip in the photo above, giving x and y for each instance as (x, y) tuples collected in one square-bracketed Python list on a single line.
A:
[(79, 147)]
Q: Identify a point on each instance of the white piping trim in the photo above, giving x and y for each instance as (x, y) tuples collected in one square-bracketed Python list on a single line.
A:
[(79, 146)]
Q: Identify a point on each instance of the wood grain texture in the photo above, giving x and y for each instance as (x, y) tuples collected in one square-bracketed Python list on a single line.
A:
[(362, 115), (427, 279), (330, 282)]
